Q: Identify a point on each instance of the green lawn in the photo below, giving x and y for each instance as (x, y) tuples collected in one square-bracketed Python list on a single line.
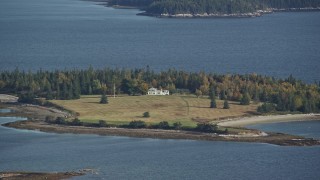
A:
[(189, 110)]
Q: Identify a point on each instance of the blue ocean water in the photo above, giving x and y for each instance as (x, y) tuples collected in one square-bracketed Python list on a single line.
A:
[(302, 128), (138, 158), (58, 34)]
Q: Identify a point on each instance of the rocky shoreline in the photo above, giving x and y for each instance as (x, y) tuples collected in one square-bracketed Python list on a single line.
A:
[(251, 136), (258, 13), (36, 116), (39, 175), (205, 15)]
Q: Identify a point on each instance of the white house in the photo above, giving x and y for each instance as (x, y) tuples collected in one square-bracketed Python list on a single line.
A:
[(154, 91)]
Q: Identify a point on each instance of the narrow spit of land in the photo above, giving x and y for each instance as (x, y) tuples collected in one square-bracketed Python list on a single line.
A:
[(248, 135), (244, 135)]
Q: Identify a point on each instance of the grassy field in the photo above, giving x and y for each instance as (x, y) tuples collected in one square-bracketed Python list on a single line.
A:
[(189, 110)]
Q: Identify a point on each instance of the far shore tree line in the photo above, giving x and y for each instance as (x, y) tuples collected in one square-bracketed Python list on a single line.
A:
[(157, 7), (275, 94)]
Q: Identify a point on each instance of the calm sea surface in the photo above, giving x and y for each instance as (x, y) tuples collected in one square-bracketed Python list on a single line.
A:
[(55, 34), (52, 34), (134, 158), (307, 128)]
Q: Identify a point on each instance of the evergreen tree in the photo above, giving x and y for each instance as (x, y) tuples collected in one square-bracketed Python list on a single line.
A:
[(306, 108), (281, 102), (212, 94), (146, 114), (164, 125), (245, 100), (76, 122), (266, 108), (70, 93), (89, 90), (48, 89), (60, 120), (177, 125), (223, 95), (226, 105), (58, 96), (208, 128), (27, 98), (137, 124), (102, 123), (264, 96), (65, 91), (104, 99), (292, 104), (49, 94), (256, 95), (76, 89), (213, 103)]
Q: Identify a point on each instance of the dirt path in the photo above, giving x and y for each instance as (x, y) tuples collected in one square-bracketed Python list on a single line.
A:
[(187, 105)]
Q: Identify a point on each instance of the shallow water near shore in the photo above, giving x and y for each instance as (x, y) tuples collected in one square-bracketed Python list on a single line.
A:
[(58, 34), (135, 158), (5, 111), (303, 128)]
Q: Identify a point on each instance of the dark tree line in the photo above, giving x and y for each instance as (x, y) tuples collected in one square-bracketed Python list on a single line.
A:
[(134, 3), (213, 6), (287, 94)]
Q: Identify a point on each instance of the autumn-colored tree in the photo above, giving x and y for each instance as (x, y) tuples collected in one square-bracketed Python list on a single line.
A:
[(198, 93)]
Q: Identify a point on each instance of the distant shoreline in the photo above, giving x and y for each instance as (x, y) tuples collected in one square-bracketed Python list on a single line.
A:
[(257, 13), (40, 175), (247, 135)]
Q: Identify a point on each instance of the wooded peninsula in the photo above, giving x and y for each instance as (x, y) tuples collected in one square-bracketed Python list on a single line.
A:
[(289, 95), (198, 107), (215, 8)]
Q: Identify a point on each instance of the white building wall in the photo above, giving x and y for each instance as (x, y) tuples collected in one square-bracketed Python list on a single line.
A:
[(154, 91)]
